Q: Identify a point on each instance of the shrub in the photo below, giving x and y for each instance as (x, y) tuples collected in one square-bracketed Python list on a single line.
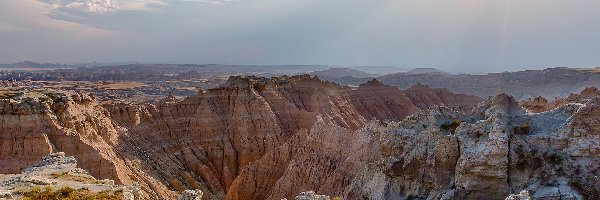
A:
[(522, 130), (451, 126), (67, 193)]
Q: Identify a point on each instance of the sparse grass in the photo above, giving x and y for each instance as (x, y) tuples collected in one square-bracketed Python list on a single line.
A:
[(7, 94), (67, 193), (78, 178), (59, 175)]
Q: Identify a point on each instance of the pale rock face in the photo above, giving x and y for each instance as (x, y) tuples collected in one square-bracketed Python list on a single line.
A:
[(310, 195), (495, 151), (191, 195), (57, 171), (523, 195), (52, 122), (539, 104)]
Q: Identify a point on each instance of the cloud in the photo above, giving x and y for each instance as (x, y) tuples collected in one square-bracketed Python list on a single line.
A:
[(89, 6), (83, 7), (31, 16), (93, 6), (78, 7)]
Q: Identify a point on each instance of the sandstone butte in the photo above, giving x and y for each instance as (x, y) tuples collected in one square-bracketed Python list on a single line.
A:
[(273, 138)]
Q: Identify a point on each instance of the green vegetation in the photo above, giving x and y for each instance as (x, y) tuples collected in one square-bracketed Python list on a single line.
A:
[(67, 193)]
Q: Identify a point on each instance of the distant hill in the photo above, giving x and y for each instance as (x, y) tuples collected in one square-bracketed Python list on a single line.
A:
[(380, 70), (549, 83), (30, 64), (430, 71), (340, 72)]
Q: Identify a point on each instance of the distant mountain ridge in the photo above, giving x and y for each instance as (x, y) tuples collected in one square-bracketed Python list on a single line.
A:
[(341, 72), (431, 71), (549, 83)]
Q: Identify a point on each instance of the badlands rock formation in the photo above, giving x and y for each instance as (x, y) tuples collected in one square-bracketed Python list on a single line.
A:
[(252, 138), (310, 195), (274, 138), (540, 104), (58, 174), (495, 151)]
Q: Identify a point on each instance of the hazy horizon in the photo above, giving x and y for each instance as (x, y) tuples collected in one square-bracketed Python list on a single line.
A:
[(459, 36)]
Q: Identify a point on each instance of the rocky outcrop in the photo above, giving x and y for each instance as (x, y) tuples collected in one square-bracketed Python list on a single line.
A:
[(58, 175), (310, 195), (191, 195), (252, 138), (540, 104), (382, 102), (497, 150), (536, 105), (425, 97), (35, 124), (312, 160), (212, 140)]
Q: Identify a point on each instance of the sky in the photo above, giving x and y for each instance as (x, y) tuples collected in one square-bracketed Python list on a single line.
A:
[(456, 35)]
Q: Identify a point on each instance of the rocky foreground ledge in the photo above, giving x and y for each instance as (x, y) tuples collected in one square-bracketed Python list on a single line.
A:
[(56, 176)]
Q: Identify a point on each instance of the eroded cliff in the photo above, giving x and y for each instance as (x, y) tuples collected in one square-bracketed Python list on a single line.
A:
[(497, 150), (252, 138)]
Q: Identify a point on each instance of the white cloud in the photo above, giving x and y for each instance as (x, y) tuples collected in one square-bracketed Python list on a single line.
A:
[(108, 6), (89, 6), (93, 6), (140, 4), (32, 16)]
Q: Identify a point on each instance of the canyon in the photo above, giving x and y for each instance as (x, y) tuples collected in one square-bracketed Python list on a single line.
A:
[(275, 138)]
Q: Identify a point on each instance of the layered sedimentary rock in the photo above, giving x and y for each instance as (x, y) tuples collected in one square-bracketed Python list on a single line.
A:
[(212, 141), (36, 124), (58, 176), (536, 105), (497, 150), (540, 104), (312, 160), (218, 142), (426, 97)]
